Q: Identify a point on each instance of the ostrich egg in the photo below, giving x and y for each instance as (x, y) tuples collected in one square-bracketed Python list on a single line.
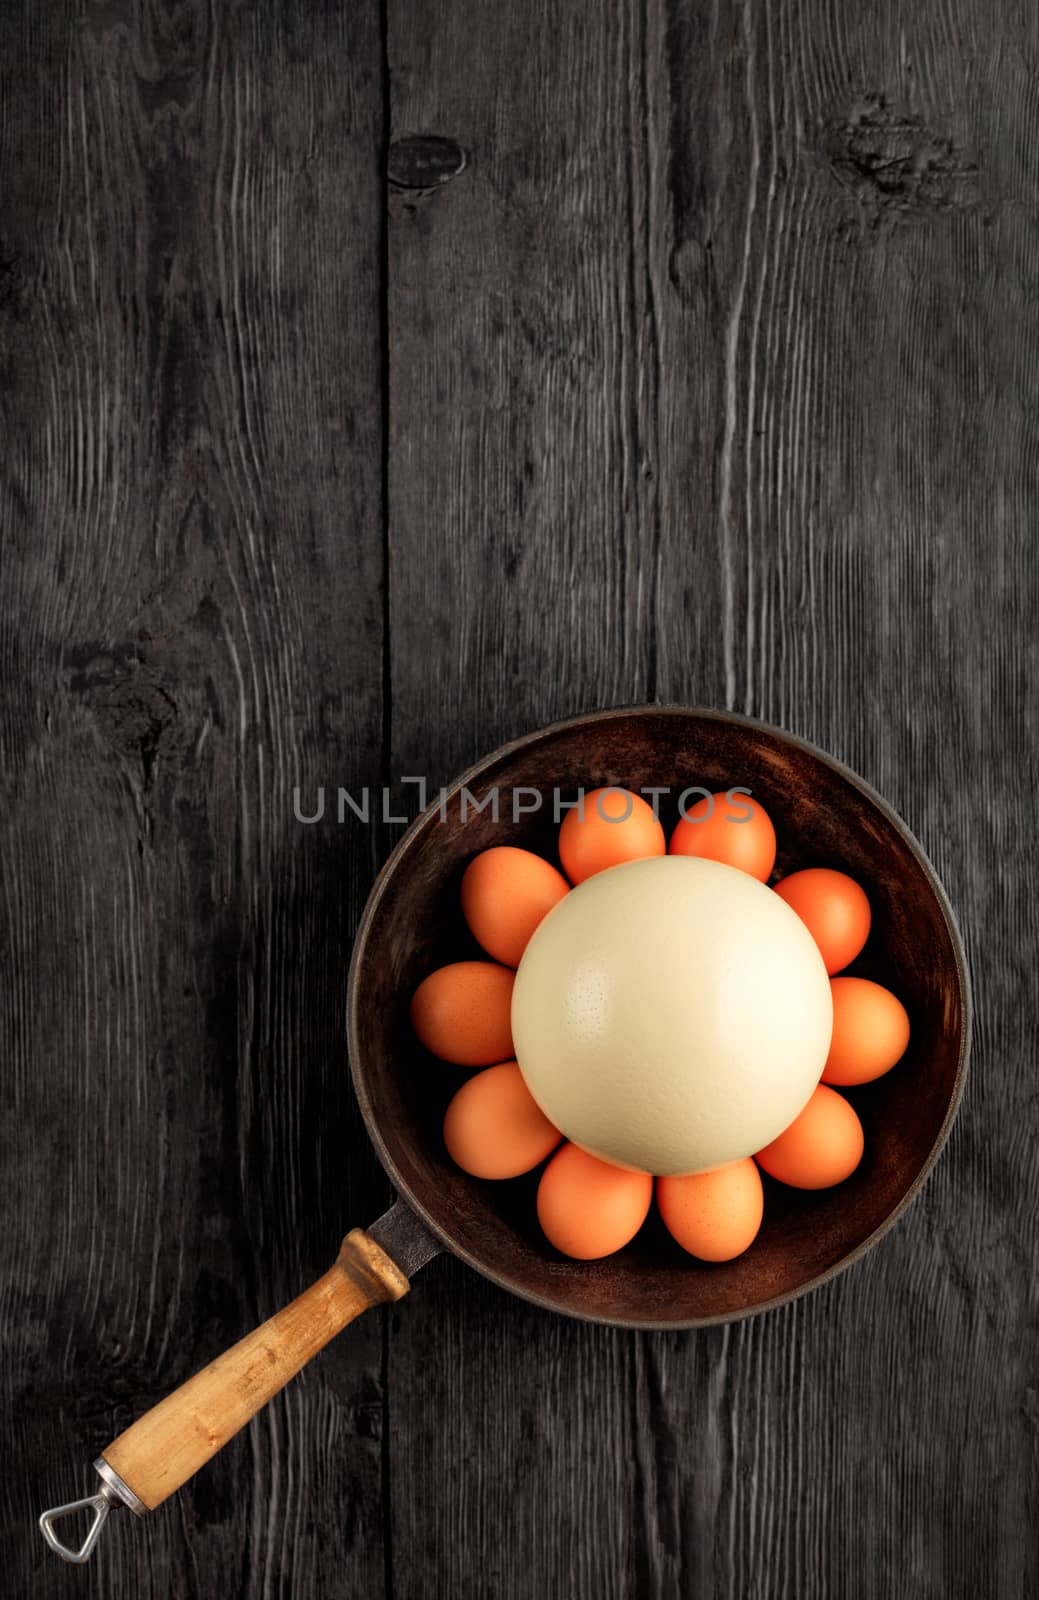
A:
[(671, 1015)]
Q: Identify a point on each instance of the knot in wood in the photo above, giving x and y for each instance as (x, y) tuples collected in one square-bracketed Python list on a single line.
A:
[(424, 161)]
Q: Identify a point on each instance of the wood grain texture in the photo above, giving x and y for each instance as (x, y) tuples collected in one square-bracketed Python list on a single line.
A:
[(710, 380), (711, 377), (191, 625), (521, 588)]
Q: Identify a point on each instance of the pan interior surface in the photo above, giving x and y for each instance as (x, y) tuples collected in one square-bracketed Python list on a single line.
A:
[(823, 816)]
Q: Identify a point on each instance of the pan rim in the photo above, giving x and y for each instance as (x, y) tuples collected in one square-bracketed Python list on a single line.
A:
[(406, 843)]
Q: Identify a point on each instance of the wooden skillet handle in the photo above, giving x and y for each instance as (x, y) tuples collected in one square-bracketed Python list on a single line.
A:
[(164, 1448)]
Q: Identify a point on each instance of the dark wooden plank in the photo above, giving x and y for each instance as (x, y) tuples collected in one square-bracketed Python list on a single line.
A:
[(873, 342), (521, 588), (192, 626), (711, 379)]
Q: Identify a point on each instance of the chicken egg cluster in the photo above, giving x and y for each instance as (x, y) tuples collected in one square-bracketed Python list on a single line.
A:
[(494, 1128)]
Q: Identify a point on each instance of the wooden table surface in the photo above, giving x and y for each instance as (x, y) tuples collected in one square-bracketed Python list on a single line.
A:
[(711, 378)]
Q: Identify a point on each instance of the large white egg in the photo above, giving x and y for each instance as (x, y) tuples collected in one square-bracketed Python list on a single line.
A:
[(671, 1015)]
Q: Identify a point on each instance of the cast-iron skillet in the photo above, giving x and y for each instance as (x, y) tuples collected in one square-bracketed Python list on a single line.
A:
[(824, 816)]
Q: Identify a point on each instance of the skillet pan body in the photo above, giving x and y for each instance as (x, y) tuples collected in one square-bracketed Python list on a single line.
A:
[(824, 816)]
